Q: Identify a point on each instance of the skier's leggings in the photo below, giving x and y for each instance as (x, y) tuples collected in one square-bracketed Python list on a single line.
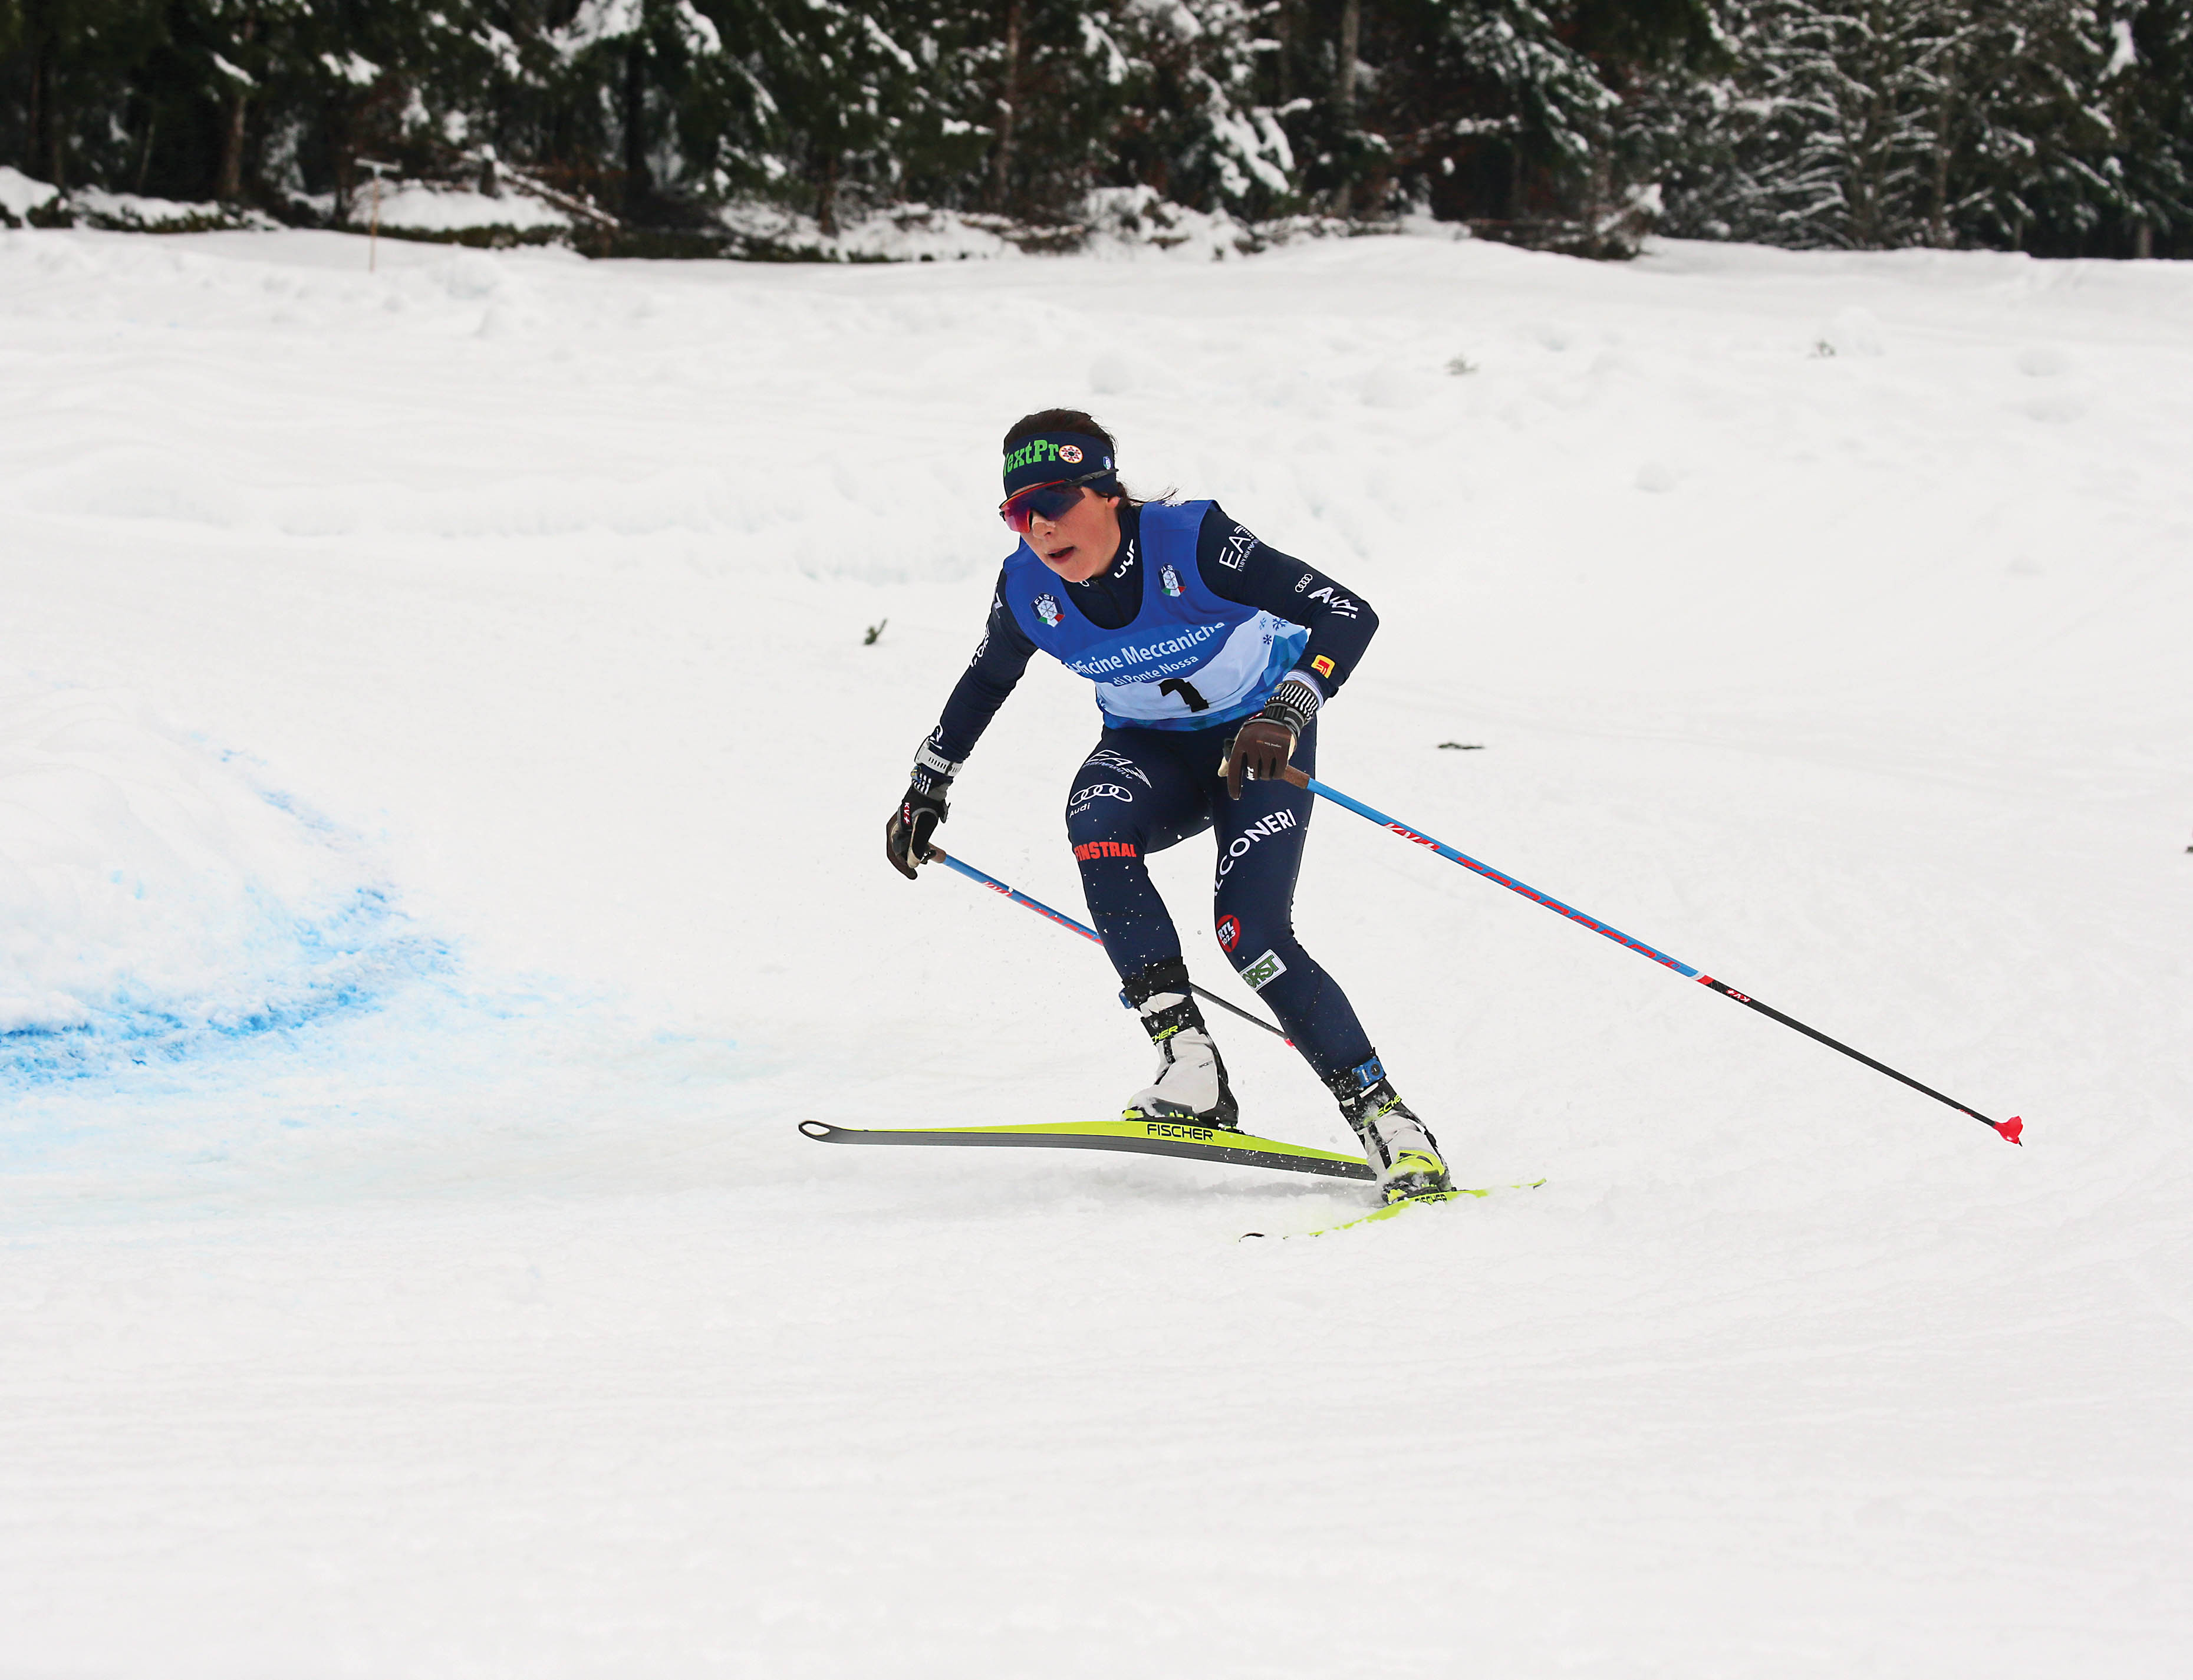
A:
[(1141, 790)]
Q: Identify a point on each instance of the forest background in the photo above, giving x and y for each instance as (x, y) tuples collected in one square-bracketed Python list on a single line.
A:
[(2056, 127)]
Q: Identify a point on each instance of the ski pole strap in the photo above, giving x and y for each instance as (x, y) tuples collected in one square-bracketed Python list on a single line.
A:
[(938, 854), (2009, 1128)]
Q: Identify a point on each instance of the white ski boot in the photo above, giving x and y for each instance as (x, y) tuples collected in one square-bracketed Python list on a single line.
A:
[(1399, 1146), (1191, 1084)]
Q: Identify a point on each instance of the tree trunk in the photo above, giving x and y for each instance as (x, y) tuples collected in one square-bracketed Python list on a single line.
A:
[(639, 183), (1284, 32), (1858, 176), (34, 104), (1944, 134), (344, 155), (1351, 38), (825, 200), (145, 149), (230, 187), (1351, 42), (1001, 164), (48, 109)]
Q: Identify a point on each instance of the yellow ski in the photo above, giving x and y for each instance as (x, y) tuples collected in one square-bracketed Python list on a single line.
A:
[(1137, 1137), (1396, 1210)]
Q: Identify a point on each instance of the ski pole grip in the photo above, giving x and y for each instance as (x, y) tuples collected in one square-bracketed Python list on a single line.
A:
[(1299, 778)]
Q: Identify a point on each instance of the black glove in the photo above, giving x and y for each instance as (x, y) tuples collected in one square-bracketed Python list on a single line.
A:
[(1261, 747), (905, 836)]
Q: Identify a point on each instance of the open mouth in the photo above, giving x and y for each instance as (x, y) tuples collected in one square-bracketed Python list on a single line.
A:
[(1058, 556)]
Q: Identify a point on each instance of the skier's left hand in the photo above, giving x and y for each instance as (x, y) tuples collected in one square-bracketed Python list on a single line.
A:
[(1262, 746), (1260, 751)]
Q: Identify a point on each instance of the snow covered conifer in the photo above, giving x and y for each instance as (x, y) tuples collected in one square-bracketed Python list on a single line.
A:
[(2056, 126), (60, 61), (1841, 122), (2082, 132), (844, 84), (1203, 123), (1516, 114)]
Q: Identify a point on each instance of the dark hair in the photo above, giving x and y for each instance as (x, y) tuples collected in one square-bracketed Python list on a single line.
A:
[(1068, 420)]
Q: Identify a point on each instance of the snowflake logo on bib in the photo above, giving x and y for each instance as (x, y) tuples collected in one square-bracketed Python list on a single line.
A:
[(1046, 609), (1171, 580)]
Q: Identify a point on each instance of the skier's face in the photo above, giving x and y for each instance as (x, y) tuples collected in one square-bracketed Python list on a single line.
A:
[(1081, 542)]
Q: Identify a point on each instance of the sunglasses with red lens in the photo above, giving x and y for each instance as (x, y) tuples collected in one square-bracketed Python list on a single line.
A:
[(1044, 501)]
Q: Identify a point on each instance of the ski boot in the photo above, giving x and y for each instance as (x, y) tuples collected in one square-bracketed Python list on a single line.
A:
[(1191, 1084), (1399, 1147)]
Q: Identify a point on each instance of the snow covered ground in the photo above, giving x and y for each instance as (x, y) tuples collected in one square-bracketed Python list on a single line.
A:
[(441, 785)]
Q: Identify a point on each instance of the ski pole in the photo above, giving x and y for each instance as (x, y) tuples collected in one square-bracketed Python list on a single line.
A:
[(2009, 1128), (939, 855)]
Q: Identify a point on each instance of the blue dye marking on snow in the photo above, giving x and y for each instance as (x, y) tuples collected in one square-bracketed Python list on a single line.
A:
[(347, 961)]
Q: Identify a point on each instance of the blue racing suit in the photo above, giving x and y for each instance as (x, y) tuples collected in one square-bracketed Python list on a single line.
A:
[(1188, 632)]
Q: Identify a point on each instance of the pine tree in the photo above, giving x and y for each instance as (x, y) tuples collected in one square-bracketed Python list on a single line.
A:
[(1510, 113), (2148, 84), (68, 58), (1843, 122), (843, 82), (2081, 141), (1198, 120), (2035, 124), (1064, 93)]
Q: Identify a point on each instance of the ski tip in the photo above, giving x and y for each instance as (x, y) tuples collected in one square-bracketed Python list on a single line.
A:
[(2011, 1129), (816, 1129)]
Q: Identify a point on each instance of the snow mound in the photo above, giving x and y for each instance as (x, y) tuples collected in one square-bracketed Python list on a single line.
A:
[(1852, 332), (428, 207), (154, 901), (118, 212), (19, 195), (898, 233), (1127, 221), (130, 212), (1113, 223)]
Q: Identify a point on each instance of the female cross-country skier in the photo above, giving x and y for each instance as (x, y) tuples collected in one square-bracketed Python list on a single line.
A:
[(1211, 652)]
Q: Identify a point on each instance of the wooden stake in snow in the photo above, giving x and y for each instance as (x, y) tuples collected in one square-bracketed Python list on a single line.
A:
[(373, 230)]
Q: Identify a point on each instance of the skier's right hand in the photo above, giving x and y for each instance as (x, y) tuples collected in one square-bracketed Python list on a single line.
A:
[(907, 835)]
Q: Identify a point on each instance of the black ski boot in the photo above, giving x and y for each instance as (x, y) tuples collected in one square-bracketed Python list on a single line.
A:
[(1191, 1084), (1400, 1149)]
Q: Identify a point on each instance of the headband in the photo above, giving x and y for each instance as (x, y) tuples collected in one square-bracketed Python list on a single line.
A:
[(1049, 456)]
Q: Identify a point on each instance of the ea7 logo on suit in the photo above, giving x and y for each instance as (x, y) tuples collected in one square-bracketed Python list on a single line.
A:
[(1105, 759), (1238, 547)]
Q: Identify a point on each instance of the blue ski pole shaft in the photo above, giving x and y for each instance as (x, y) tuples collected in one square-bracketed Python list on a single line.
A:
[(940, 855), (2009, 1128)]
